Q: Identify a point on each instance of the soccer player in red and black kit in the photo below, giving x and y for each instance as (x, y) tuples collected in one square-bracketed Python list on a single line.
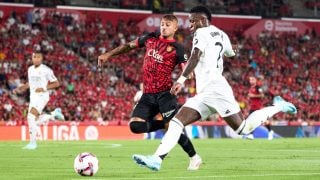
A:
[(163, 53), (256, 102)]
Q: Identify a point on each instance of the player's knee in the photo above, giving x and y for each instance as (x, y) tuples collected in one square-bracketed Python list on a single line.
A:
[(244, 129), (34, 112), (138, 127)]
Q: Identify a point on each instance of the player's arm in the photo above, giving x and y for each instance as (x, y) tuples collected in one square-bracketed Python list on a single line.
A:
[(191, 65), (53, 85), (116, 51), (50, 86), (183, 65), (21, 88), (53, 82), (230, 49)]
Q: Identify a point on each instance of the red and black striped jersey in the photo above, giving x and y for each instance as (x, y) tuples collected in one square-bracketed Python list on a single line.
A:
[(255, 103), (160, 59)]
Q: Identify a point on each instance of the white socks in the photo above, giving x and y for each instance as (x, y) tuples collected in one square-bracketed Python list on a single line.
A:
[(256, 118), (43, 118), (32, 127), (170, 139)]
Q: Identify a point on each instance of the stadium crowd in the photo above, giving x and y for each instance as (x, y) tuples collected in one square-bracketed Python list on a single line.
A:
[(286, 64), (265, 8)]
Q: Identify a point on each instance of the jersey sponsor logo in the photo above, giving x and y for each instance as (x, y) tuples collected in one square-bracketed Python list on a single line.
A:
[(168, 114), (35, 79), (155, 54)]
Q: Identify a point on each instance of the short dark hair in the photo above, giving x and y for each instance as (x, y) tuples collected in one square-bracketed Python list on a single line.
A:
[(38, 52), (202, 9), (170, 17)]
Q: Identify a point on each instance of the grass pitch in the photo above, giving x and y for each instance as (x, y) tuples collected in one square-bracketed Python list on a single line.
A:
[(223, 159)]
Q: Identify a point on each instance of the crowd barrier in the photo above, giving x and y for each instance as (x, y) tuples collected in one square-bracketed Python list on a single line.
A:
[(58, 131), (69, 131)]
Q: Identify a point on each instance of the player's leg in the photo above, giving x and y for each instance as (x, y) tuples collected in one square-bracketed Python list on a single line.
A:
[(168, 106), (270, 131), (249, 136), (44, 118), (228, 108), (142, 118), (185, 142), (55, 114), (189, 113), (255, 119), (37, 104), (33, 114), (169, 140), (139, 125)]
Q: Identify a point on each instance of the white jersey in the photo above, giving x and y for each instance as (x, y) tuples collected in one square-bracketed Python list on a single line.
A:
[(38, 77), (214, 44)]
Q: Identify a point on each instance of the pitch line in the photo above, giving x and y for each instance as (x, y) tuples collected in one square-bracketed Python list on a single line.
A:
[(214, 176)]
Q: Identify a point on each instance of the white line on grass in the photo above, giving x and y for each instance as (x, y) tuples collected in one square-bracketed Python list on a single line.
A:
[(281, 150), (218, 176), (113, 145)]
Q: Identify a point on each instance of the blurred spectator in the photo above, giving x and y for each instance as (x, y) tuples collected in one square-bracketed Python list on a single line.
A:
[(288, 62)]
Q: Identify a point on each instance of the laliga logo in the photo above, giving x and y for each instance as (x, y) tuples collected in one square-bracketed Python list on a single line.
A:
[(157, 57), (63, 132), (268, 25)]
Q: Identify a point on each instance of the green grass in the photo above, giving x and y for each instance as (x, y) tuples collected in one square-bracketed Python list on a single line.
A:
[(223, 159)]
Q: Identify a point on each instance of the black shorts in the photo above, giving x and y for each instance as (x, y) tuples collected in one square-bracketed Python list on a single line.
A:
[(152, 104)]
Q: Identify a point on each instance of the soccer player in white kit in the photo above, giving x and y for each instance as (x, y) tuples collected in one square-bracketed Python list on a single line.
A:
[(40, 80), (214, 94)]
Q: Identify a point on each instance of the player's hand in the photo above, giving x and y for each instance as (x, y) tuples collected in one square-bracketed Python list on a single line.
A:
[(176, 88), (103, 58), (39, 90), (235, 48)]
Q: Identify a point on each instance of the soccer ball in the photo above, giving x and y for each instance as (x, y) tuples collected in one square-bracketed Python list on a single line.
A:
[(86, 164)]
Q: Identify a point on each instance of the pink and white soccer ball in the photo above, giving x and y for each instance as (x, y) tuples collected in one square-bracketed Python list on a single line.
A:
[(86, 164)]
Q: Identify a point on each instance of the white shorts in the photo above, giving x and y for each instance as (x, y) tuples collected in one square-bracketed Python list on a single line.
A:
[(38, 102), (220, 100)]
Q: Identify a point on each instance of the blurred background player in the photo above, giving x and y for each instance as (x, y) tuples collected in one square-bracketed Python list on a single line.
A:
[(162, 55), (256, 96), (40, 80)]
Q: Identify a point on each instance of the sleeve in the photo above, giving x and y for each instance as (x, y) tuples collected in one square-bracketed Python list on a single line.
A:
[(228, 46), (199, 40), (181, 56), (28, 75), (140, 41), (50, 76)]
